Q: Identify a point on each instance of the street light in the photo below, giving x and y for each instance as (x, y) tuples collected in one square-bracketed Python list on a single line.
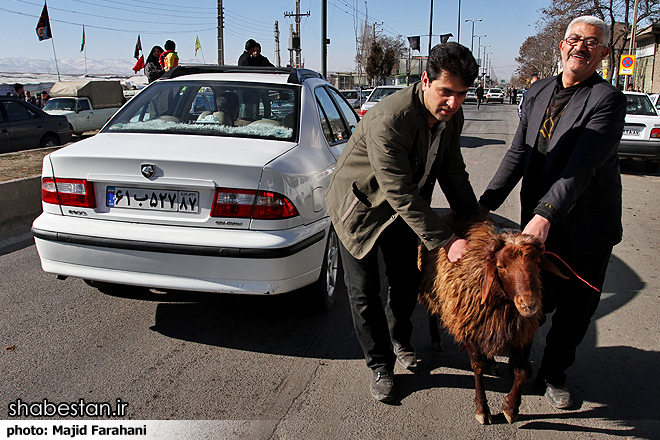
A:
[(479, 48), (472, 42)]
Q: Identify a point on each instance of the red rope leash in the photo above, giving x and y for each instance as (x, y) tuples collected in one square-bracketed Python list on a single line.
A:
[(571, 269)]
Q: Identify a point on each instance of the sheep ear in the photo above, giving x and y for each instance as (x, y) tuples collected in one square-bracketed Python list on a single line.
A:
[(550, 267), (489, 279)]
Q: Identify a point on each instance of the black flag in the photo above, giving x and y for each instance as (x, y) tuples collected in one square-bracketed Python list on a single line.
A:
[(414, 42), (444, 38), (138, 48), (43, 27)]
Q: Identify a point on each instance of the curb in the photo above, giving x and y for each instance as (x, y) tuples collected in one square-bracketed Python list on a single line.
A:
[(20, 204)]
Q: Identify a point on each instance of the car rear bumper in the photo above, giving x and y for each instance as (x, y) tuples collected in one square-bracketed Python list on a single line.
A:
[(285, 261), (639, 149)]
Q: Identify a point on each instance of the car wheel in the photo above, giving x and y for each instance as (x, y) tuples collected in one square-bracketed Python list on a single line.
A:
[(48, 141), (325, 288), (652, 167)]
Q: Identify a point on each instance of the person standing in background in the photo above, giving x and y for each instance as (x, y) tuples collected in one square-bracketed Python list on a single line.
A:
[(152, 69), (169, 59)]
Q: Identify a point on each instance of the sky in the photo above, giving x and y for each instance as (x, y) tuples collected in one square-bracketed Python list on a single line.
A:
[(112, 28)]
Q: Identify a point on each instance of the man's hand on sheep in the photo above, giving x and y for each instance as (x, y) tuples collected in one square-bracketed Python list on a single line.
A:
[(538, 226), (455, 248)]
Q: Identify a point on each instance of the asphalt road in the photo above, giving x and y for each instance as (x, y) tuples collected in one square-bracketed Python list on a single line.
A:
[(270, 368)]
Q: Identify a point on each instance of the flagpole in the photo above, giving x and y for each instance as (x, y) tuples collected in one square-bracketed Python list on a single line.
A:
[(52, 40)]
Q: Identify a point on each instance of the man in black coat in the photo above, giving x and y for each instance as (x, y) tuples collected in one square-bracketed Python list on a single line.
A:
[(252, 56), (565, 152)]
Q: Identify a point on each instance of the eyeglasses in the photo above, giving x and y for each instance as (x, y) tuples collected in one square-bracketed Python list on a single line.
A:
[(591, 43)]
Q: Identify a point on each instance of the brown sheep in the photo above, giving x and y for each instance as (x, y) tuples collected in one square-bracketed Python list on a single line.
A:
[(490, 301)]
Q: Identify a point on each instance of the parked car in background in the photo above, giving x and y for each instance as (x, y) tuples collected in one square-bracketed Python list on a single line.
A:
[(495, 95), (641, 134), (24, 126), (471, 95), (229, 200), (376, 95), (354, 97)]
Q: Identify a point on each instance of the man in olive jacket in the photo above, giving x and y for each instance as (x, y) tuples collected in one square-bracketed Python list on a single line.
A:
[(379, 198)]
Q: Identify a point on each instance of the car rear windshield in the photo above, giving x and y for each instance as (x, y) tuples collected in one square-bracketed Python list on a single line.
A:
[(60, 104), (264, 111), (639, 105), (379, 94)]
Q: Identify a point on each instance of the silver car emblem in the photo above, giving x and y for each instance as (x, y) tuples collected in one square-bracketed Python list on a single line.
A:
[(148, 170)]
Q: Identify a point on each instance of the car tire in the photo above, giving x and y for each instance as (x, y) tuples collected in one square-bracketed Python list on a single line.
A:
[(48, 141), (652, 167), (324, 290)]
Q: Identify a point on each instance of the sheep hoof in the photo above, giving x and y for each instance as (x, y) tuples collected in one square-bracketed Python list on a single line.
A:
[(437, 346), (484, 419), (511, 415)]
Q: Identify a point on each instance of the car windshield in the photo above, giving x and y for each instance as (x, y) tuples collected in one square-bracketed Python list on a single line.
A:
[(350, 94), (60, 104), (495, 91), (379, 94), (212, 108), (639, 105)]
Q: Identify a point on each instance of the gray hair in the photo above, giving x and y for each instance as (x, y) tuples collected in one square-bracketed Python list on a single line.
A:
[(591, 21)]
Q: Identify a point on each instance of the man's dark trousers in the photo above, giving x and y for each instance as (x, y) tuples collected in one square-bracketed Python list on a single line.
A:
[(376, 327), (573, 303)]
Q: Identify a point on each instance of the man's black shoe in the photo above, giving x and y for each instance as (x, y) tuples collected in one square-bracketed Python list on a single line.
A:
[(406, 356), (382, 386)]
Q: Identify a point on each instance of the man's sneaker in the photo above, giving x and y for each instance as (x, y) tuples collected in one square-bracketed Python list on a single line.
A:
[(406, 356), (558, 396), (382, 386)]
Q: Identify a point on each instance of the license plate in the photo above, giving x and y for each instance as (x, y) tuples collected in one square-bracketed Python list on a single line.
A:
[(158, 200), (632, 131)]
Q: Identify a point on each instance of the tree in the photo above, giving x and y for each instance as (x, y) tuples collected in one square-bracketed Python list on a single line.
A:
[(539, 54), (379, 54)]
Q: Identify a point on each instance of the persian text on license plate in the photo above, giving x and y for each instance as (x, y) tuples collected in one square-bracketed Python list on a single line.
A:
[(632, 131), (159, 200)]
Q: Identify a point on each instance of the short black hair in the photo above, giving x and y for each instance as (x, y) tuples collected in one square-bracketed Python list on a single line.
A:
[(250, 45), (170, 45), (454, 59), (18, 86)]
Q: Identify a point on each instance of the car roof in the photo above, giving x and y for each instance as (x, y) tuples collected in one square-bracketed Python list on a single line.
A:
[(206, 72)]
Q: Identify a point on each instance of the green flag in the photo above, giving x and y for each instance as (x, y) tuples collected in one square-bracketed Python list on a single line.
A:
[(82, 45)]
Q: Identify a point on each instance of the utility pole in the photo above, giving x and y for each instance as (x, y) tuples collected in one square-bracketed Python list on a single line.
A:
[(291, 45), (221, 50), (277, 44), (431, 28), (324, 38), (296, 36)]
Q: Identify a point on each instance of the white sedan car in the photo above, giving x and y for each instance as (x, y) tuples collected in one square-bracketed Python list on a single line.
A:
[(170, 195), (376, 95), (641, 134), (493, 95)]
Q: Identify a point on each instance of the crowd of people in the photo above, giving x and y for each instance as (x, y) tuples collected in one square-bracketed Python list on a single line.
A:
[(38, 100)]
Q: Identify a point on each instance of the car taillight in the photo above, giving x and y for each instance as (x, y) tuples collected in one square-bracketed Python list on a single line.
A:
[(362, 112), (655, 133), (270, 206), (68, 192), (240, 203)]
